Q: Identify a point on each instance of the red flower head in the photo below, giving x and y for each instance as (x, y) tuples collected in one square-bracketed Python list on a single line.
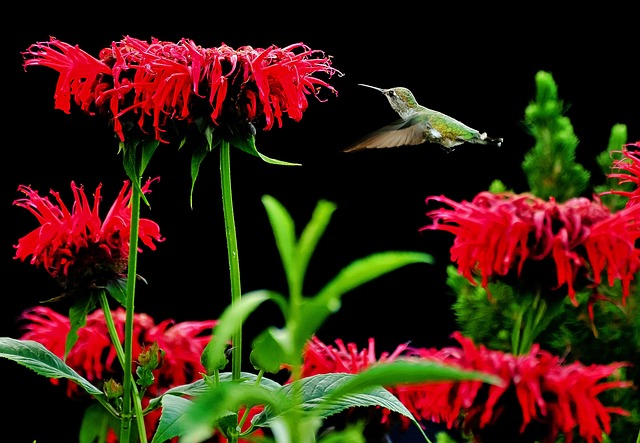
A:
[(149, 84), (76, 246), (629, 167), (499, 233), (540, 398)]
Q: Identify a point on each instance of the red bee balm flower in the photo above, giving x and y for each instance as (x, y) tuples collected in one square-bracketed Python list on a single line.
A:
[(539, 399), (154, 82), (76, 246), (495, 233)]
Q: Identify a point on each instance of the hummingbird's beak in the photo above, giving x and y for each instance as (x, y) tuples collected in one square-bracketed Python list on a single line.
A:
[(372, 87)]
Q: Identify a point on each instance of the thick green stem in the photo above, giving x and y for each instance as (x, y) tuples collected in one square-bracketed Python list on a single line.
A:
[(130, 393), (232, 251)]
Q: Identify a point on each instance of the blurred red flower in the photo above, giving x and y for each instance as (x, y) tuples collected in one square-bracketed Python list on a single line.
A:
[(76, 246), (499, 233), (94, 357), (158, 81)]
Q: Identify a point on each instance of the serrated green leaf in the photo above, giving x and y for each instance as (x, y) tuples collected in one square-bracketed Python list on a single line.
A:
[(199, 387), (39, 359), (317, 395)]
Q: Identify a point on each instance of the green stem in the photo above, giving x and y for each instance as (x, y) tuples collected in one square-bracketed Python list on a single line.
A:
[(128, 385), (234, 266), (115, 339)]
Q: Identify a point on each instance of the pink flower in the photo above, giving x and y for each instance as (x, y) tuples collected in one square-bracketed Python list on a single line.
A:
[(496, 234), (76, 246), (149, 84)]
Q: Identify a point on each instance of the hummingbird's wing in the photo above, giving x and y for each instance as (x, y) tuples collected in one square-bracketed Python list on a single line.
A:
[(399, 133)]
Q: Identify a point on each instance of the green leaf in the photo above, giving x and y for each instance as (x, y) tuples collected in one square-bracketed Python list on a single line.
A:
[(271, 350), (248, 145), (405, 372), (229, 322), (137, 155), (39, 359), (216, 404), (201, 386), (295, 255), (78, 318), (317, 396), (310, 236), (96, 423), (118, 290), (173, 421), (284, 232), (196, 160), (327, 301)]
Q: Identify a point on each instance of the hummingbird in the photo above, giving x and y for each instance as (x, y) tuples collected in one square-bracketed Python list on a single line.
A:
[(418, 124)]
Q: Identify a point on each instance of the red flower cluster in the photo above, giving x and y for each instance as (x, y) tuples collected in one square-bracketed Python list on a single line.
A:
[(94, 357), (74, 245), (497, 233), (539, 399), (160, 81)]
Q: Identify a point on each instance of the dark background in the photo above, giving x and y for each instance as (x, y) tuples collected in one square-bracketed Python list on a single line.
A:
[(477, 66)]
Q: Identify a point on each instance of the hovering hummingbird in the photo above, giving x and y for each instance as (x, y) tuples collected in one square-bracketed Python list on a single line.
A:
[(417, 125)]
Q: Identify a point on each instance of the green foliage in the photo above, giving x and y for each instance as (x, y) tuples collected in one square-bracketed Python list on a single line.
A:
[(550, 165), (209, 137), (487, 320), (39, 359), (606, 161), (300, 406)]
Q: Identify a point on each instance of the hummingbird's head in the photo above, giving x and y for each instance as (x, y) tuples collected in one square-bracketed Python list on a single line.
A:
[(401, 99)]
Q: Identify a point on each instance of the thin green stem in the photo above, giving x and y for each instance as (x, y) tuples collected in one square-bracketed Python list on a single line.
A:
[(232, 251), (130, 393), (115, 339)]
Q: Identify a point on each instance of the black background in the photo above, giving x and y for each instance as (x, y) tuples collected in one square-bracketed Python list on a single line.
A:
[(477, 66)]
